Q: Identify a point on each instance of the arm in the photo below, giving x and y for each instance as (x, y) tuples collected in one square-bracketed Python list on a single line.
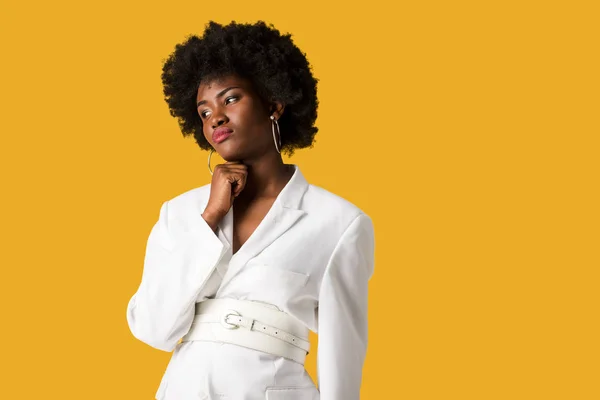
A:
[(342, 316), (162, 309)]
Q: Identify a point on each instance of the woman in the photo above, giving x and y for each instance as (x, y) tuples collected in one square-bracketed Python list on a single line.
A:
[(238, 271)]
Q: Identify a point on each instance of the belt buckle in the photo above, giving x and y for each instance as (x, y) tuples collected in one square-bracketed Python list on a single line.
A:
[(229, 325)]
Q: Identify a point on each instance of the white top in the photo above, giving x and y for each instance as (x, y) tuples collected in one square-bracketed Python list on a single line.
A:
[(311, 256)]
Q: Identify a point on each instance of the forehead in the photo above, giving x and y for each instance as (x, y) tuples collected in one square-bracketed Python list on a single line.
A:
[(211, 87)]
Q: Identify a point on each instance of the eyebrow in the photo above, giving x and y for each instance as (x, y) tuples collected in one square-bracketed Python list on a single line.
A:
[(221, 93)]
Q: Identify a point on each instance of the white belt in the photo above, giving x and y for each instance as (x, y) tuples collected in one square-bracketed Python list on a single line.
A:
[(251, 324)]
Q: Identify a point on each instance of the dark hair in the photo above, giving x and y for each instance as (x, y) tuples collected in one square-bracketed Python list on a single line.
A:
[(275, 66)]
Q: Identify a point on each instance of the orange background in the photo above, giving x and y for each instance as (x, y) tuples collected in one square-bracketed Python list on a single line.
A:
[(467, 130)]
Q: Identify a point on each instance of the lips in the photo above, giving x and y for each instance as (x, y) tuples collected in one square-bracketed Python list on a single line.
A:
[(221, 134)]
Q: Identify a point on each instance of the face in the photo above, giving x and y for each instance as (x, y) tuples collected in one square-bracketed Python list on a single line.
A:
[(235, 120)]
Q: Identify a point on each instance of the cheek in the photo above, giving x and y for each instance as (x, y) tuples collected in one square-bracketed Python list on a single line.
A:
[(205, 130), (252, 117)]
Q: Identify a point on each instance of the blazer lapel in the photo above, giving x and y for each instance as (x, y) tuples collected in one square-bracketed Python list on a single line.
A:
[(282, 215)]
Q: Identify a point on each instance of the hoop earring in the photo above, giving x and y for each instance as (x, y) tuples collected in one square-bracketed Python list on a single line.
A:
[(273, 123), (210, 154)]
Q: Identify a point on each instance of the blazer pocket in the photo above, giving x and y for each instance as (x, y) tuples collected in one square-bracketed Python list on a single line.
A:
[(280, 274), (292, 393)]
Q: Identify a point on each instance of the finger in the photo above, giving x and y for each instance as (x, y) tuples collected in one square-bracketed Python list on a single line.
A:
[(234, 164), (240, 184), (232, 167), (236, 190), (235, 170), (234, 178)]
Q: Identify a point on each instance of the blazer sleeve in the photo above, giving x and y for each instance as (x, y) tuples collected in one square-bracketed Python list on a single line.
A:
[(342, 312), (175, 269)]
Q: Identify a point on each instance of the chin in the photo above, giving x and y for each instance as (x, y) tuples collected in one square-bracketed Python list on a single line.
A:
[(232, 153)]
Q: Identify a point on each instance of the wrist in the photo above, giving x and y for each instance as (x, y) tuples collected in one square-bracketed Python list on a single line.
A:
[(211, 218)]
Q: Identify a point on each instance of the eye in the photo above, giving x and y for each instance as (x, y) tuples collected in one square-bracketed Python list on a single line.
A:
[(204, 114)]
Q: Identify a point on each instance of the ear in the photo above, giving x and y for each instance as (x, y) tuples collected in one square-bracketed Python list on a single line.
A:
[(276, 110)]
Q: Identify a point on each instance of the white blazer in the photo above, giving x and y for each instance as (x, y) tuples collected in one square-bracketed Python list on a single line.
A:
[(312, 256)]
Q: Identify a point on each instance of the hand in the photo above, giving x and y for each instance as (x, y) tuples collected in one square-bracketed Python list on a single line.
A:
[(228, 180)]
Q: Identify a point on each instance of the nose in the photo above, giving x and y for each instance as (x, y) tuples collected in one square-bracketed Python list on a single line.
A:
[(218, 119)]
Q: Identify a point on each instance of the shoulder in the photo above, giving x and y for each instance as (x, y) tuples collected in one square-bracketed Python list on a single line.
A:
[(319, 196), (197, 194), (191, 201), (333, 208), (343, 226)]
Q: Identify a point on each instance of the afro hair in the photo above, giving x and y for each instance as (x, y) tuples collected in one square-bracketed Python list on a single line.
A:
[(275, 66)]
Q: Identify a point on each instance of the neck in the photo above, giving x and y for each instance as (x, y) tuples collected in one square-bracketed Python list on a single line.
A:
[(267, 176)]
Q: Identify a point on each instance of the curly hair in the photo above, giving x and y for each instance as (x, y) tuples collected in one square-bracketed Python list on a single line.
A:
[(275, 66)]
